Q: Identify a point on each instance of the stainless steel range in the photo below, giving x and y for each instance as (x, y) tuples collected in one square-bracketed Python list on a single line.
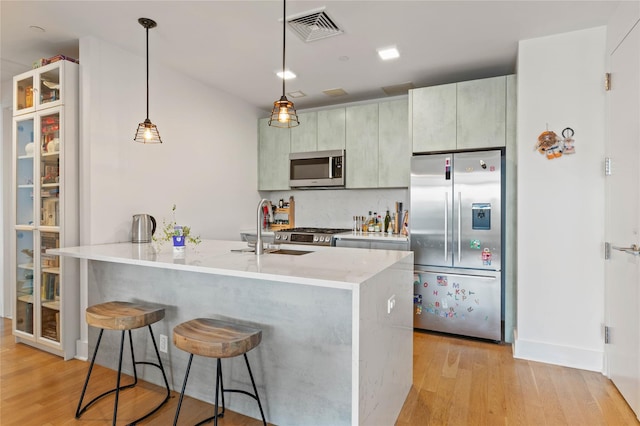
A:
[(313, 236)]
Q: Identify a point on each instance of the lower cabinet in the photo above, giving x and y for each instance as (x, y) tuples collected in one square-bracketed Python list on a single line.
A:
[(373, 244)]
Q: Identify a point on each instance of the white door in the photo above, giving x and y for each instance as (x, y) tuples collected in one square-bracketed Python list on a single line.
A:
[(623, 221)]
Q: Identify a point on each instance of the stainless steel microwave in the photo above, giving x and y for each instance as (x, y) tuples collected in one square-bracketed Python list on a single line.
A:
[(317, 169)]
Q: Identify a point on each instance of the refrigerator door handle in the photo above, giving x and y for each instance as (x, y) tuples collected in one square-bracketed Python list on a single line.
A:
[(459, 227), (446, 226), (481, 277)]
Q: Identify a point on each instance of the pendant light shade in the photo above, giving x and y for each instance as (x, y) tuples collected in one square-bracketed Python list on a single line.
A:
[(283, 113), (147, 131)]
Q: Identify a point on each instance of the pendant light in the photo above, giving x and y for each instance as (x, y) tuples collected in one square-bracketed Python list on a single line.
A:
[(283, 113), (147, 131)]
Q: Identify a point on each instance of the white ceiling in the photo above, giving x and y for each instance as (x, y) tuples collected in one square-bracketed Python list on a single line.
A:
[(237, 45)]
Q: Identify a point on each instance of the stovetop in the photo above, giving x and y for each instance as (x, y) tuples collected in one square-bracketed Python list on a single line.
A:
[(304, 235), (317, 230)]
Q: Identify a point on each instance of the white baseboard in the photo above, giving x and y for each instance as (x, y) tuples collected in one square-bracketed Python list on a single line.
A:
[(566, 356)]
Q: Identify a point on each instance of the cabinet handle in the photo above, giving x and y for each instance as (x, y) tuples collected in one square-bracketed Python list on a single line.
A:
[(459, 226), (446, 226)]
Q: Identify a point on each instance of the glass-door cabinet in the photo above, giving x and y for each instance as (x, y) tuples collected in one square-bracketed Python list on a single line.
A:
[(45, 212), (42, 88)]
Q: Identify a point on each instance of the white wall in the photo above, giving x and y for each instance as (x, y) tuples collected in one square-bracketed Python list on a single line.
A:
[(561, 201), (6, 106), (206, 165)]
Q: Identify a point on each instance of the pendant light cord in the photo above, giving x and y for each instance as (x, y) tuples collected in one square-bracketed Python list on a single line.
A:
[(284, 23), (147, 27)]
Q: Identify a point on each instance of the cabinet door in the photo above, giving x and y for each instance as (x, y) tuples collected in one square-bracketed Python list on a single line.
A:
[(362, 146), (331, 129), (24, 155), (394, 147), (433, 118), (273, 157), (49, 314), (23, 317), (23, 89), (304, 136), (481, 114)]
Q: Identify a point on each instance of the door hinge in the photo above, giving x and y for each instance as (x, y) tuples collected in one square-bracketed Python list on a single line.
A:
[(607, 251), (607, 166), (607, 81), (607, 336)]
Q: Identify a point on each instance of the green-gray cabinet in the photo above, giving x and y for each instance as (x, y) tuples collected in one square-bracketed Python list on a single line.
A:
[(466, 115), (433, 118), (319, 131), (362, 146), (481, 113), (394, 145), (331, 129), (304, 138), (273, 157)]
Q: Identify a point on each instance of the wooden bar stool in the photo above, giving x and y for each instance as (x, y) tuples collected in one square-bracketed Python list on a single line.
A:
[(216, 339), (123, 316)]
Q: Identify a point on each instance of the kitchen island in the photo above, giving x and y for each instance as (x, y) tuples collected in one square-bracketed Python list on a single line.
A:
[(337, 345)]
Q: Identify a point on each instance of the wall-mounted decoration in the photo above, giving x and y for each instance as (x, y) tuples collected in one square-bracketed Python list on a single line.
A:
[(552, 146)]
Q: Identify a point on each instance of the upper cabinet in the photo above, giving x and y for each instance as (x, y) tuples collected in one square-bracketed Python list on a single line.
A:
[(362, 146), (394, 145), (378, 148), (467, 115), (273, 157), (433, 118), (319, 131), (481, 113), (43, 87), (304, 138), (331, 129)]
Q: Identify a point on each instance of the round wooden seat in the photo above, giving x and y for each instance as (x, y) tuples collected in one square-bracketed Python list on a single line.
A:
[(123, 315), (215, 338)]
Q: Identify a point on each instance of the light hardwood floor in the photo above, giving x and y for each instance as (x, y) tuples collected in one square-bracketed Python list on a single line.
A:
[(455, 382)]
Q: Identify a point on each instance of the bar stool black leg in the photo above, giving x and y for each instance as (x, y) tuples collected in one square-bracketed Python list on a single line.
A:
[(159, 366), (184, 386), (255, 390), (81, 410), (115, 404)]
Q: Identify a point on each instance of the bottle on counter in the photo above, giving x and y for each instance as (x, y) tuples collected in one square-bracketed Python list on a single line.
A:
[(387, 221), (366, 223), (379, 224)]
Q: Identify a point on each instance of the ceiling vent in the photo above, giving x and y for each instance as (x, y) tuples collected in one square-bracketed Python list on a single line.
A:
[(398, 89), (334, 92), (313, 25)]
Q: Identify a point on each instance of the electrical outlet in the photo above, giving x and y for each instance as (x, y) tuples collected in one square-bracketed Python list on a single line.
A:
[(163, 343), (391, 303)]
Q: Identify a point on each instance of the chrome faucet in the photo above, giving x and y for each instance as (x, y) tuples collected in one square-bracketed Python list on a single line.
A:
[(259, 246)]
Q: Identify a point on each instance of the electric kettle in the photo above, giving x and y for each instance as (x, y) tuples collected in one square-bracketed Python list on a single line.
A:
[(143, 227)]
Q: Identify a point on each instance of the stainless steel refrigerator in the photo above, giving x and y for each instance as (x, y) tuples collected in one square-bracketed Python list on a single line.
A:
[(456, 236)]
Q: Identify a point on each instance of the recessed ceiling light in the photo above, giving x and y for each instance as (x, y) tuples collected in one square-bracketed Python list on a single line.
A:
[(297, 94), (388, 53), (288, 75), (36, 29)]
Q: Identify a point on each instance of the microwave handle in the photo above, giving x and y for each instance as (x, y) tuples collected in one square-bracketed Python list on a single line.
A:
[(330, 167)]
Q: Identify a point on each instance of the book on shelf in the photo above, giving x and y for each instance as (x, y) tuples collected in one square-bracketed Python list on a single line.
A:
[(50, 212)]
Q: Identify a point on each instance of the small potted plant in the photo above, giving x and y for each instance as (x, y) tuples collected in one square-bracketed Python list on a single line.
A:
[(179, 235)]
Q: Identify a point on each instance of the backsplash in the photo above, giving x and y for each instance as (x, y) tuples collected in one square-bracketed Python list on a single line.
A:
[(335, 208)]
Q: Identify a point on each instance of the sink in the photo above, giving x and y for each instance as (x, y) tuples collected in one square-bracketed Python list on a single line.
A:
[(273, 251), (288, 251)]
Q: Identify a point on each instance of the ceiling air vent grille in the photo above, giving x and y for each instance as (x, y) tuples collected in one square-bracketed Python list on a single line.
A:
[(313, 25)]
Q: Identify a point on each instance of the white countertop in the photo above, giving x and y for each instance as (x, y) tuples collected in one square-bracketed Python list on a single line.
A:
[(334, 267), (372, 236)]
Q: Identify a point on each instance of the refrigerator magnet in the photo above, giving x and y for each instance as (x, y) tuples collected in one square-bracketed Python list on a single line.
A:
[(447, 168), (474, 244)]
